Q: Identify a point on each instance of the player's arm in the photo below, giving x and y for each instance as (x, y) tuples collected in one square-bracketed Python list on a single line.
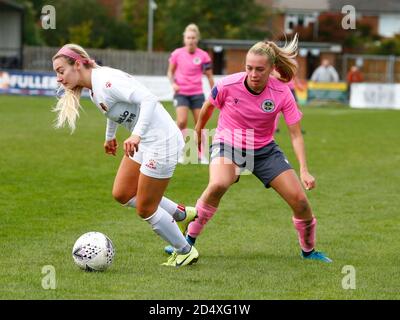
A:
[(111, 129), (148, 103), (205, 115), (210, 77), (127, 89), (110, 144), (171, 77), (299, 149)]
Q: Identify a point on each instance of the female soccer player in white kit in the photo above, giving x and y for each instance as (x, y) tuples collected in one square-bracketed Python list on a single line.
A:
[(151, 152)]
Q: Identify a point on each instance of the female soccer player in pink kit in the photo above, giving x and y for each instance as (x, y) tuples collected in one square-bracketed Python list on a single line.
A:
[(151, 150), (185, 71), (249, 103)]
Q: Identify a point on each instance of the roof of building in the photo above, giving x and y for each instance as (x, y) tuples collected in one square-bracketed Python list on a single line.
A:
[(9, 4), (218, 44), (303, 5), (361, 6), (377, 7)]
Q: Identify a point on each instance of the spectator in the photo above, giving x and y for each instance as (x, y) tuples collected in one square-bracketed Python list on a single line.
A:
[(353, 76), (325, 73)]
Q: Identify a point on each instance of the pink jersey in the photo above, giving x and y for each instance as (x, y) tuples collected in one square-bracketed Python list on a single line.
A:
[(189, 69), (247, 120), (290, 84)]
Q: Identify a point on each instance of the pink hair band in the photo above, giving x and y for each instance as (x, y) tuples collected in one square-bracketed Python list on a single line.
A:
[(73, 55)]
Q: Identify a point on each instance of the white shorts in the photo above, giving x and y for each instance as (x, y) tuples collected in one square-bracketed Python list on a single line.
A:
[(157, 163)]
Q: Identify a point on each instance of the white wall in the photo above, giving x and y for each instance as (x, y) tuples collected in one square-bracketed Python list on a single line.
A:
[(375, 95), (161, 86), (389, 25)]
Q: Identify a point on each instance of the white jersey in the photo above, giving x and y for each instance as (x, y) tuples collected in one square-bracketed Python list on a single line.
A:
[(125, 101)]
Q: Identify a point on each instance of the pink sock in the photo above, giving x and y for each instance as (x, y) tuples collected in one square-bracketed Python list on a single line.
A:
[(201, 152), (204, 213), (306, 230)]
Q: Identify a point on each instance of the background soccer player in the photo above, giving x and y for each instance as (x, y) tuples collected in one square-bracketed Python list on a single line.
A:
[(185, 71)]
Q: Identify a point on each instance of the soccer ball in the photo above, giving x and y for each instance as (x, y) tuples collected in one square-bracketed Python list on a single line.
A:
[(93, 251)]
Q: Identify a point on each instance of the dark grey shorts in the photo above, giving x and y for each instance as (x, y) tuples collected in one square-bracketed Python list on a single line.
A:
[(265, 163), (193, 102)]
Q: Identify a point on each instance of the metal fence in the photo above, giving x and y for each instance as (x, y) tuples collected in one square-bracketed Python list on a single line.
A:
[(10, 57), (375, 68), (134, 62), (381, 69)]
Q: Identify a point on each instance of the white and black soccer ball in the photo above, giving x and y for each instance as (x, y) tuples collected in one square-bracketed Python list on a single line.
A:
[(93, 251)]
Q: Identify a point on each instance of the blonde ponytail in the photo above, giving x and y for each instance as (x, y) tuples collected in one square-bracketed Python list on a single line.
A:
[(282, 58), (68, 105), (68, 108)]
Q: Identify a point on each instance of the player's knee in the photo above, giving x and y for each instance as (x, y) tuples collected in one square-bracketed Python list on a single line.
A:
[(218, 188), (121, 196), (182, 124), (301, 204), (145, 210)]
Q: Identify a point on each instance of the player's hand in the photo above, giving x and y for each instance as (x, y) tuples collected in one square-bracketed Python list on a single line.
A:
[(131, 145), (110, 147), (308, 180), (175, 87)]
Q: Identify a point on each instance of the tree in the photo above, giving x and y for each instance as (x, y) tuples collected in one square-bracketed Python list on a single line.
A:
[(134, 14), (32, 29), (82, 34), (222, 19), (390, 46), (87, 23)]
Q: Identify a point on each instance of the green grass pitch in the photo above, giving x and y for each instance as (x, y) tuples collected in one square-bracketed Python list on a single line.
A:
[(56, 186)]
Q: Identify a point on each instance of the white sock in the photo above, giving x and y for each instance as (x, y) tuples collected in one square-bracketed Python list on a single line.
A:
[(131, 203), (174, 209), (167, 229)]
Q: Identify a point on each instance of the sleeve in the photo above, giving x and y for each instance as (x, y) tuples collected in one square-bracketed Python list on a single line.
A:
[(217, 95), (130, 90), (334, 73), (147, 106), (111, 129), (173, 57), (290, 111), (349, 77), (207, 63), (315, 75)]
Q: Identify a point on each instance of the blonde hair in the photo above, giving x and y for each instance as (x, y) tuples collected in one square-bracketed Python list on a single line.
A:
[(193, 28), (68, 105), (282, 58)]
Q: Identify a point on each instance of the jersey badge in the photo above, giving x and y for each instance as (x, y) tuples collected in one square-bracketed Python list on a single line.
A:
[(196, 60), (268, 106)]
